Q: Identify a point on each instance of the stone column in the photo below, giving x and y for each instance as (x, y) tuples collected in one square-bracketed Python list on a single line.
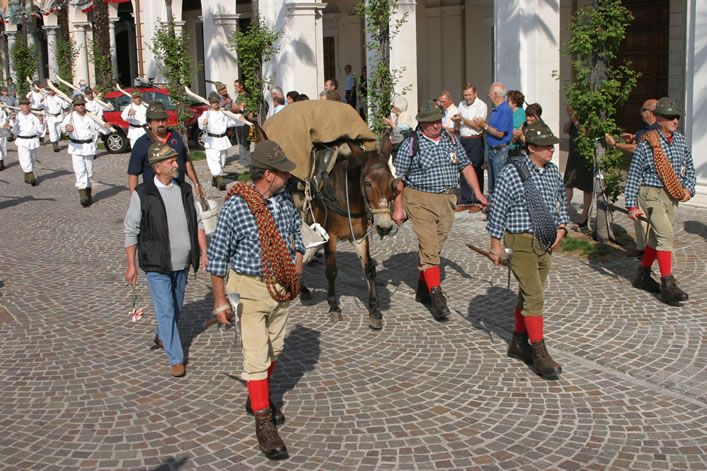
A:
[(11, 38), (403, 52), (113, 51), (51, 51), (695, 92), (81, 67)]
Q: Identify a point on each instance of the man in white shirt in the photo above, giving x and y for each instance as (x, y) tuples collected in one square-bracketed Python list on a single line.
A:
[(134, 115), (36, 97), (445, 100), (28, 129), (216, 143), (469, 109), (92, 105), (53, 106), (82, 132)]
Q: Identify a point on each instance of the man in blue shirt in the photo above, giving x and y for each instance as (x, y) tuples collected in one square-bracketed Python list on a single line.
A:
[(429, 163), (499, 130), (258, 236)]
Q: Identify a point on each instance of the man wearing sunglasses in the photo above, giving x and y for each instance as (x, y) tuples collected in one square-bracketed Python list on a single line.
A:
[(661, 175)]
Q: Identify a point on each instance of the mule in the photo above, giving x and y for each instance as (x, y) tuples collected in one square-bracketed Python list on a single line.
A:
[(370, 192)]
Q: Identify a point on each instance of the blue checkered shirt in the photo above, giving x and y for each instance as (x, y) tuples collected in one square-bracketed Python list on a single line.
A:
[(642, 171), (508, 211), (235, 241), (436, 167)]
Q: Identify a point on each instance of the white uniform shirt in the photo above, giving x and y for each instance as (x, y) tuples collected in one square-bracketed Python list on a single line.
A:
[(28, 125), (84, 129), (4, 119), (478, 109), (53, 105), (36, 100), (96, 108), (138, 119), (218, 123)]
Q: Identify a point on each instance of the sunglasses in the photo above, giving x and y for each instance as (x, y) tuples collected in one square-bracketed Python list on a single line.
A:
[(672, 117)]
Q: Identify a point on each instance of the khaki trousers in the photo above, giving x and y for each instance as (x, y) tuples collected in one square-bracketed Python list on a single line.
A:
[(432, 216), (262, 321), (530, 267), (660, 210)]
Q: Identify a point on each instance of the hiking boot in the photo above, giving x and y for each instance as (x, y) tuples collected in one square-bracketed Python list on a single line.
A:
[(27, 176), (213, 182), (278, 418), (269, 440), (423, 294), (219, 183), (31, 179), (2, 165), (440, 311), (519, 348), (543, 363), (55, 145), (90, 196), (669, 291), (645, 282), (83, 198)]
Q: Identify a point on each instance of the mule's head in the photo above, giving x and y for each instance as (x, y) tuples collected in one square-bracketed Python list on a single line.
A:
[(377, 183)]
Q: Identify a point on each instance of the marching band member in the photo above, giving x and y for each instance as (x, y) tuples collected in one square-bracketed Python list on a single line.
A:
[(82, 132)]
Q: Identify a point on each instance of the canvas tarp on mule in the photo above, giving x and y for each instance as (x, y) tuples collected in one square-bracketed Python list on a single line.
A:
[(297, 127)]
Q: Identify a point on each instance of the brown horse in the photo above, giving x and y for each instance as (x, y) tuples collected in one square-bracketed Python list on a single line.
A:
[(360, 194), (366, 177)]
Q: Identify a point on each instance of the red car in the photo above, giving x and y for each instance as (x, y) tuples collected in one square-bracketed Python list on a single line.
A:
[(117, 142)]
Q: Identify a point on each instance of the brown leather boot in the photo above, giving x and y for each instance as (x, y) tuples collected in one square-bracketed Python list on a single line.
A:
[(519, 348), (543, 363), (669, 291), (423, 294), (278, 418), (644, 281), (269, 440), (440, 311)]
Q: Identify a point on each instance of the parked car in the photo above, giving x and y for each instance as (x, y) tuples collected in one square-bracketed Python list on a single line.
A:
[(117, 142)]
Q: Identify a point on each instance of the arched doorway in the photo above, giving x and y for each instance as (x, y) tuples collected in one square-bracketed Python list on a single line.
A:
[(125, 45)]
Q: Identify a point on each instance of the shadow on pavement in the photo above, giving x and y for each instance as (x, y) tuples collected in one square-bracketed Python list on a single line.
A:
[(696, 227), (24, 199), (493, 312), (171, 464), (112, 191), (54, 174)]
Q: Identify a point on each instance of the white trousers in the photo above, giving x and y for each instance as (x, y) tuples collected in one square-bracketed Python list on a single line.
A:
[(134, 134), (3, 148), (26, 158), (83, 168), (53, 126), (216, 160)]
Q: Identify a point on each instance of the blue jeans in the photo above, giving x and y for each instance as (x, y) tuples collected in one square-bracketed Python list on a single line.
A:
[(497, 158), (167, 293)]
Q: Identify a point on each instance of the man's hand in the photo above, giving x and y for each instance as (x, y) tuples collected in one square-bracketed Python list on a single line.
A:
[(388, 122), (480, 123), (206, 122), (131, 112), (298, 264), (628, 137), (226, 317), (687, 194), (204, 261), (561, 231), (69, 128), (107, 126), (131, 275), (200, 191), (610, 141), (635, 213), (495, 250), (398, 215)]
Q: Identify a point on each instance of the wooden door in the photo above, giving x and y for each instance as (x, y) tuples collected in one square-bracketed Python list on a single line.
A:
[(646, 47)]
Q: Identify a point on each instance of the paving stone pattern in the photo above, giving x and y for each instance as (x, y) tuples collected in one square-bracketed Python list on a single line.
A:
[(83, 387)]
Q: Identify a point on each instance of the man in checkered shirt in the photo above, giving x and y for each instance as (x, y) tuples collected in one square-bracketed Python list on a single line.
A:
[(262, 318), (644, 186), (510, 220), (429, 163)]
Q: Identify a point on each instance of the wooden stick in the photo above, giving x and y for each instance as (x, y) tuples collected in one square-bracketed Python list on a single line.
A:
[(625, 211), (238, 117), (76, 89), (117, 87), (66, 97), (502, 261), (35, 87)]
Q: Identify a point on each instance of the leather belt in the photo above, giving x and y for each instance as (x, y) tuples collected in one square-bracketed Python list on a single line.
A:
[(137, 125), (27, 137), (498, 147), (476, 136), (54, 114), (36, 109), (216, 135), (81, 141)]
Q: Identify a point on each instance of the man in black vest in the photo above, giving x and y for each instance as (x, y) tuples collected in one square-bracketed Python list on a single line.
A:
[(163, 229)]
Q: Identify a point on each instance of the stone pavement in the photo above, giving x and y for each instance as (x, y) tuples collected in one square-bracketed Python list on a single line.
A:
[(82, 387)]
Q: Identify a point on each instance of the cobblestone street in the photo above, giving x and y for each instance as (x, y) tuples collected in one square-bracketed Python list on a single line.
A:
[(83, 387)]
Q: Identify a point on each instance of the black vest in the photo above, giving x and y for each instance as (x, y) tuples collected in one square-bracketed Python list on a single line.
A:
[(153, 246)]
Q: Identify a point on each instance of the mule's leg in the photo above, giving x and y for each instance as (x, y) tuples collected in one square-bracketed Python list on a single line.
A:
[(330, 251), (375, 318), (304, 293)]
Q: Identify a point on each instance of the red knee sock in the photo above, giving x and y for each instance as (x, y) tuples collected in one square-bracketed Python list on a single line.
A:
[(520, 322), (534, 324), (422, 276), (665, 262), (432, 277), (259, 392), (649, 255), (270, 368)]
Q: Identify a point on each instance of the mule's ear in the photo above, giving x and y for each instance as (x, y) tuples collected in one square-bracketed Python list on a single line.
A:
[(258, 133), (386, 144), (357, 153)]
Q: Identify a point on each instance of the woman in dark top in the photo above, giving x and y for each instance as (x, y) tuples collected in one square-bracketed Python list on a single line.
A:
[(578, 173)]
